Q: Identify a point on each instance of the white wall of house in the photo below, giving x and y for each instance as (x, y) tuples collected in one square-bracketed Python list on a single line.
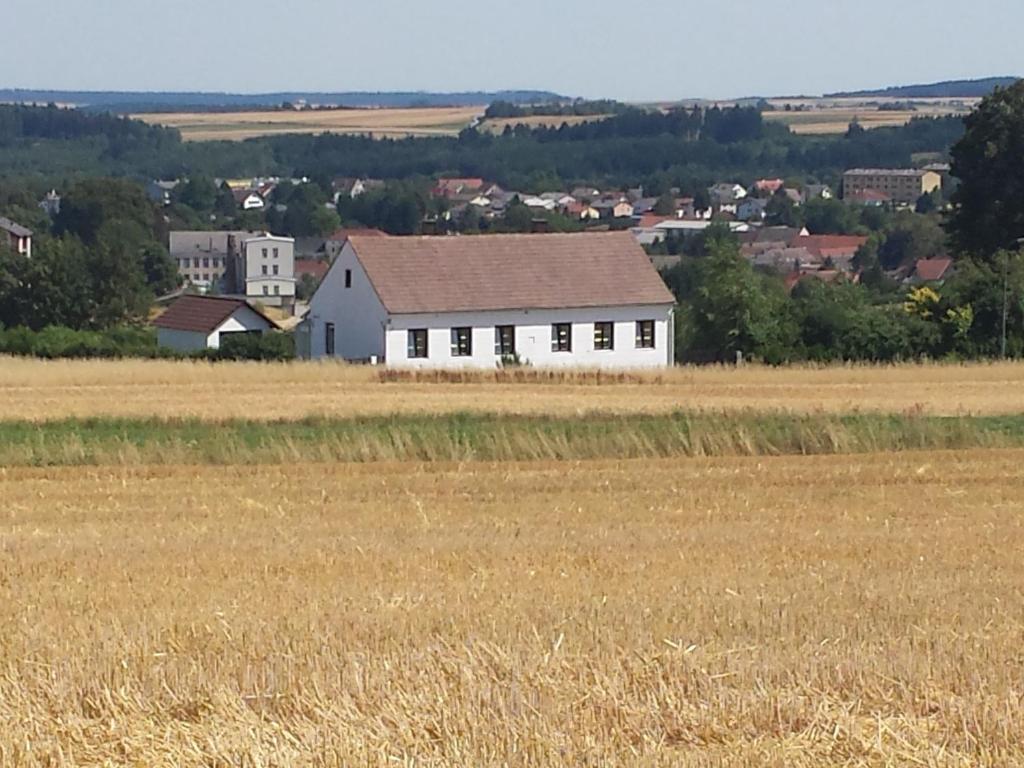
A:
[(181, 341), (265, 270), (356, 313), (533, 338)]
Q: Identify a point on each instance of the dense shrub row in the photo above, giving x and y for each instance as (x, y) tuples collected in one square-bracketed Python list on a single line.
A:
[(56, 342)]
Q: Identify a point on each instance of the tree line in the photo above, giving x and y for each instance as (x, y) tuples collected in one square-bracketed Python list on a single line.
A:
[(685, 148)]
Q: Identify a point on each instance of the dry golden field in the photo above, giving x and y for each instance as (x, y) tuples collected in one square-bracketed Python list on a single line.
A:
[(390, 123), (282, 610), (39, 390), (733, 612), (497, 125), (834, 116)]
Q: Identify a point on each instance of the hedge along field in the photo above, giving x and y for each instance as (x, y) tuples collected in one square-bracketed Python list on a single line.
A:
[(489, 438), (47, 390), (787, 611)]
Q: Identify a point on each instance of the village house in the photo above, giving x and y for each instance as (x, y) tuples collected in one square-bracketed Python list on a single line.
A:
[(727, 194), (934, 271), (454, 188), (161, 192), (50, 203), (768, 186), (556, 300), (249, 200), (193, 323), (16, 237), (354, 187)]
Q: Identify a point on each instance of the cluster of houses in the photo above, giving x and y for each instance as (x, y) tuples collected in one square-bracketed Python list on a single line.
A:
[(591, 299)]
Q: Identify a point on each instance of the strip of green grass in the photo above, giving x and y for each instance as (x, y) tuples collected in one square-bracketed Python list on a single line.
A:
[(465, 437)]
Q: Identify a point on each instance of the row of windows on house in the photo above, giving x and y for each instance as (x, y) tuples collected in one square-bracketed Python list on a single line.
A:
[(505, 339), (276, 270), (216, 262)]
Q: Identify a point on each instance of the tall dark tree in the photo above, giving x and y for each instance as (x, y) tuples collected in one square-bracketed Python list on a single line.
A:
[(988, 207)]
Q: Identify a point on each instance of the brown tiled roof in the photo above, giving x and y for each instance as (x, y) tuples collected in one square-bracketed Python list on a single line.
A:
[(930, 270), (203, 313), (14, 229), (831, 245), (315, 267), (414, 275)]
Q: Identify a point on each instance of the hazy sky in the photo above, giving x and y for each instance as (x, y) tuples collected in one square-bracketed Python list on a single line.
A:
[(657, 49)]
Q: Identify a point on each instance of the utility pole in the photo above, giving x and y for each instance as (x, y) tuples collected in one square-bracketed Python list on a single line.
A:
[(1006, 292), (1006, 298)]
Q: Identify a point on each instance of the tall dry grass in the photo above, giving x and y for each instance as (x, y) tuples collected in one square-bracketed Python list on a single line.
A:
[(780, 612), (42, 390)]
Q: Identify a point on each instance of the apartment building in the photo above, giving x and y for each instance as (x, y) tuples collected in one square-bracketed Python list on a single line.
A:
[(901, 185)]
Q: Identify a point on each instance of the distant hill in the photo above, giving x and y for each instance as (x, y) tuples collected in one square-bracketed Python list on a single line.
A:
[(131, 101), (948, 89)]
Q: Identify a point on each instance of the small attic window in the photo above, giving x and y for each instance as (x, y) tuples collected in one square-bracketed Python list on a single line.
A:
[(348, 278)]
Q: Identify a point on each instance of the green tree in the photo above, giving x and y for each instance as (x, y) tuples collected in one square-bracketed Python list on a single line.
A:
[(666, 205), (781, 211), (734, 309), (199, 193), (988, 206), (911, 237), (95, 204)]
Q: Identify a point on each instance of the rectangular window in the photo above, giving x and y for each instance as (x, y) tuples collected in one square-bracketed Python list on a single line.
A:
[(604, 336), (206, 263), (462, 342), (195, 277), (275, 253), (275, 269), (645, 334), (417, 343), (561, 337), (277, 290), (185, 263), (266, 290), (329, 339), (206, 276), (264, 253), (505, 340), (195, 263), (264, 269), (348, 278)]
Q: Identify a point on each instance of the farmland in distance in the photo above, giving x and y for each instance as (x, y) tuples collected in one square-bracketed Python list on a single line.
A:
[(383, 123)]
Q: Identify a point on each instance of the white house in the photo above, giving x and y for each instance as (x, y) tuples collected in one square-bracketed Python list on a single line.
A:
[(17, 237), (264, 269), (193, 323), (550, 300)]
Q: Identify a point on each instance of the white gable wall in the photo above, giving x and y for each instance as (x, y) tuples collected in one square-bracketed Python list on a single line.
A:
[(357, 314), (533, 338), (242, 319)]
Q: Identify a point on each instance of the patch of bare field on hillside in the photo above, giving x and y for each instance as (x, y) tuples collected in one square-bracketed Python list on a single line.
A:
[(391, 123)]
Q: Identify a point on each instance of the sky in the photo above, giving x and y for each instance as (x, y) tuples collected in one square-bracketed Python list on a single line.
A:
[(635, 51)]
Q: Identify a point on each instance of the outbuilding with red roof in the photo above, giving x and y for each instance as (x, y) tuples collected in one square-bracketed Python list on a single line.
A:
[(193, 322)]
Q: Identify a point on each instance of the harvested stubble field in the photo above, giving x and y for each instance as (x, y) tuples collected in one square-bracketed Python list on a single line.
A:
[(512, 569), (730, 612), (390, 123), (40, 391)]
